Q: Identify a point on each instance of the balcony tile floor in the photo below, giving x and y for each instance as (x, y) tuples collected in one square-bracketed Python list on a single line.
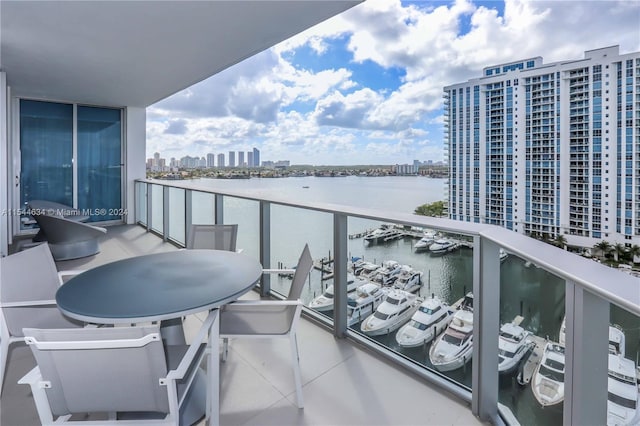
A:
[(343, 384)]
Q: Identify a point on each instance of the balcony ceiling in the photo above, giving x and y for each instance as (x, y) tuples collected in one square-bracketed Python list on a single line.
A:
[(135, 53)]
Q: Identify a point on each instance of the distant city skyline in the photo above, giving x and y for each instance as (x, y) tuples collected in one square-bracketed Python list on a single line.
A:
[(158, 163), (366, 87)]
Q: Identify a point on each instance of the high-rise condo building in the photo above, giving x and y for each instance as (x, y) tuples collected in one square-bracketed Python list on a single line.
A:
[(210, 160), (232, 158), (549, 149), (220, 160), (256, 157), (250, 159), (240, 158)]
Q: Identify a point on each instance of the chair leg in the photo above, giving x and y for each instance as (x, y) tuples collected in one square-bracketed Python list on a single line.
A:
[(297, 376)]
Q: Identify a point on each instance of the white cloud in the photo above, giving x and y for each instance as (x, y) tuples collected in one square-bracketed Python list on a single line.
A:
[(337, 115)]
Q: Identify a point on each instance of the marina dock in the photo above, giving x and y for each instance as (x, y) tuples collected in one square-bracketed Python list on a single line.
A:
[(531, 363)]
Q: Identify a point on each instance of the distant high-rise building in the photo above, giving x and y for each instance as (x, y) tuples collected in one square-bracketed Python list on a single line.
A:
[(256, 157), (220, 160), (240, 158), (210, 160), (250, 159), (549, 149), (232, 158)]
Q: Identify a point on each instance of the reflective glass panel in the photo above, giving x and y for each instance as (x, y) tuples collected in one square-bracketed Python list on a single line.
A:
[(46, 147), (99, 163)]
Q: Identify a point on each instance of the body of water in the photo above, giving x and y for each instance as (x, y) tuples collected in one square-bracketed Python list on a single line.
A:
[(526, 290)]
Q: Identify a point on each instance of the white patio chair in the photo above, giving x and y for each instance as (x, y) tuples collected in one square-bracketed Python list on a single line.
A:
[(28, 284), (213, 237), (120, 373), (270, 318), (208, 237)]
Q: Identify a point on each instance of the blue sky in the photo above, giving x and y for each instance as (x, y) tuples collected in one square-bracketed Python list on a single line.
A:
[(365, 87)]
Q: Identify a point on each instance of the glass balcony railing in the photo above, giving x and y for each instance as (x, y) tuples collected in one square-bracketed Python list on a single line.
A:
[(514, 326)]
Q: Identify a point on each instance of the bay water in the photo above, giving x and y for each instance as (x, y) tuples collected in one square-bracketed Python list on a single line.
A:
[(526, 290)]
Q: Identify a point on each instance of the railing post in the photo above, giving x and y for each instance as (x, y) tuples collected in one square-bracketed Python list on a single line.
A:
[(188, 213), (340, 256), (149, 191), (219, 209), (265, 245), (165, 213), (486, 318), (586, 357)]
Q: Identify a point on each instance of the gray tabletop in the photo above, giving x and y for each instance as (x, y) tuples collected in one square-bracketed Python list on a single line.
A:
[(158, 286)]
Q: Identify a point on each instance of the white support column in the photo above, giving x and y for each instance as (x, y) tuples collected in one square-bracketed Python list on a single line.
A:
[(586, 357), (6, 169), (135, 133), (486, 317), (219, 209), (165, 213), (340, 255), (149, 190), (188, 213), (265, 245)]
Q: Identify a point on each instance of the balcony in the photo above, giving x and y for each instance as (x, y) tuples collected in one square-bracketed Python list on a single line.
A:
[(336, 370), (256, 382)]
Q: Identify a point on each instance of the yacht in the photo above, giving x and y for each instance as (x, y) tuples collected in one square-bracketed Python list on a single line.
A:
[(616, 340), (431, 318), (623, 398), (380, 235), (324, 302), (395, 310), (442, 245), (409, 279), (512, 347), (364, 301), (388, 273), (547, 382), (366, 270), (427, 239), (454, 347)]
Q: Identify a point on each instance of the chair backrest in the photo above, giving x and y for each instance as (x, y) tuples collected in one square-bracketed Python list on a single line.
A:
[(305, 263), (26, 276), (109, 369), (212, 237), (62, 230)]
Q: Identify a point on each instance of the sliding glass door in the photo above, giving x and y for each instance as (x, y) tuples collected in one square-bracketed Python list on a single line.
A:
[(99, 158), (71, 155)]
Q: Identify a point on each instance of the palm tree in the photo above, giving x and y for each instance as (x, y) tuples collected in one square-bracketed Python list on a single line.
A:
[(604, 247), (560, 241), (634, 251), (619, 250)]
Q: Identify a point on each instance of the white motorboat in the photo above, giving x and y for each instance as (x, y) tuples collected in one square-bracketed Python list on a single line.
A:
[(503, 255), (409, 279), (427, 239), (454, 347), (364, 301), (366, 270), (431, 318), (547, 382), (616, 340), (388, 273), (623, 398), (324, 302), (380, 235), (616, 337), (512, 346), (395, 310), (442, 245)]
